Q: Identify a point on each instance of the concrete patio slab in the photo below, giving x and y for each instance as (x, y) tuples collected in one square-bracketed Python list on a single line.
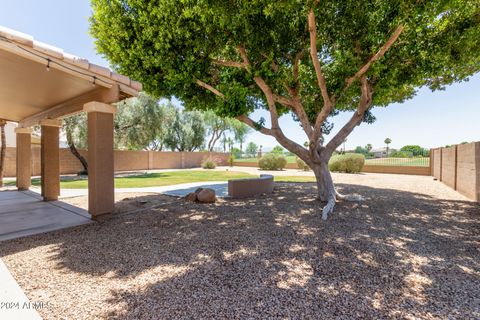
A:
[(24, 214)]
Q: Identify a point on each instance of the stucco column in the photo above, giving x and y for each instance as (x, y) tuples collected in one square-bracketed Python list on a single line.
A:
[(24, 158), (101, 189), (50, 159)]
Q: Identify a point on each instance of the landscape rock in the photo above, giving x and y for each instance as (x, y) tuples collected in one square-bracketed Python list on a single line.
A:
[(192, 196), (206, 195)]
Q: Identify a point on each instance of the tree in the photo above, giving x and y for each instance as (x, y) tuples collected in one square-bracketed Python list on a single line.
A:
[(312, 59), (252, 149), (75, 128), (216, 127), (277, 150), (3, 149), (185, 131), (368, 147), (240, 132), (387, 142), (415, 150), (361, 150), (140, 123)]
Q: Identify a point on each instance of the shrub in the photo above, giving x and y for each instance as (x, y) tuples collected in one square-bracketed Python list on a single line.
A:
[(272, 161), (209, 164), (302, 165), (349, 163)]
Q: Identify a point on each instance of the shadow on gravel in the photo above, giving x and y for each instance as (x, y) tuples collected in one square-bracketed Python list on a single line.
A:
[(396, 254)]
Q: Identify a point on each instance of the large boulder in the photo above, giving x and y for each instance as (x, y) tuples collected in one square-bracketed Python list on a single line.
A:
[(206, 195)]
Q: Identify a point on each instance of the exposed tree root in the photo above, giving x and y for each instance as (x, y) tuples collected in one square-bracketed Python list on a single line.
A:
[(334, 197), (349, 197)]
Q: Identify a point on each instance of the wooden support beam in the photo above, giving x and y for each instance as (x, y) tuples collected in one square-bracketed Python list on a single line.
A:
[(73, 105)]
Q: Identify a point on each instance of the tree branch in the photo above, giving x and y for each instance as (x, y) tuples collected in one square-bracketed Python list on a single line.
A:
[(234, 64), (210, 88), (312, 28), (270, 101), (243, 54), (376, 56), (248, 121), (363, 105)]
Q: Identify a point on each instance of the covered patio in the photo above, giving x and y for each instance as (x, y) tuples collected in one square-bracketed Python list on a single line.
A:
[(39, 85)]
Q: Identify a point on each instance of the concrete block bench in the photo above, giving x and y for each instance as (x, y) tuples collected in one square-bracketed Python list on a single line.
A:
[(243, 188)]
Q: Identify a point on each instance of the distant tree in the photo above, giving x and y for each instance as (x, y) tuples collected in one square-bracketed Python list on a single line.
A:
[(230, 143), (224, 142), (252, 149), (415, 150), (361, 150), (464, 142), (186, 131), (140, 123), (216, 127), (240, 132), (3, 149), (368, 147), (387, 142), (237, 153), (278, 150), (75, 128)]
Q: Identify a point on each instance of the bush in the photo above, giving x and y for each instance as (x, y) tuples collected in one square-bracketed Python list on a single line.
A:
[(272, 161), (209, 164), (349, 163), (302, 165)]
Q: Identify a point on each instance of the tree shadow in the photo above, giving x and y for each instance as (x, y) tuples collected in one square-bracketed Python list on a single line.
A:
[(398, 254)]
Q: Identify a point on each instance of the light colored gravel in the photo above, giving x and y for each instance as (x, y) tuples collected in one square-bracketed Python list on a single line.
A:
[(410, 251)]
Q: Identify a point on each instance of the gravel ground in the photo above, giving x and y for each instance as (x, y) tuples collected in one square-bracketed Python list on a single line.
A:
[(410, 251)]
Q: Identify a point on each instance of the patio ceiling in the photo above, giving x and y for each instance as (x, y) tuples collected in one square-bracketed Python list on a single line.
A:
[(38, 81)]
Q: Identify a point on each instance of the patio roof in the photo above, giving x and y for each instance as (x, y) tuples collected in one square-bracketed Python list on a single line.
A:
[(39, 81)]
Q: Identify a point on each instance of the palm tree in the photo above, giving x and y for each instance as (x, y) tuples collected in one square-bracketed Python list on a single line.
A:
[(240, 132), (387, 142), (2, 150)]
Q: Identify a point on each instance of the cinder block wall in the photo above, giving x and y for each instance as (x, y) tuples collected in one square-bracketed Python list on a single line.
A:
[(435, 162), (124, 160), (459, 168), (449, 162)]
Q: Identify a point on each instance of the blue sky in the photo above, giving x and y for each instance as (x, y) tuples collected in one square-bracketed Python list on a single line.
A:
[(430, 119)]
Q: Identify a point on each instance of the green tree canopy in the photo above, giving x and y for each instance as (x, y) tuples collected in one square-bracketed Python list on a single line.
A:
[(185, 131), (240, 132), (252, 149), (416, 150), (140, 123)]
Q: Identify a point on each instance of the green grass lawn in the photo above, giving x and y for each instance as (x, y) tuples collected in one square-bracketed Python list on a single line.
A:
[(418, 162), (166, 179)]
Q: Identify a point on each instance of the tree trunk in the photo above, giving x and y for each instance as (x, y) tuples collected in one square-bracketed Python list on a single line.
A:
[(2, 151), (75, 152), (325, 187)]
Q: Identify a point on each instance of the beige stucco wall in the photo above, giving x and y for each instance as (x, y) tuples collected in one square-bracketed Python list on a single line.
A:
[(435, 163), (459, 168), (124, 160), (449, 162)]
